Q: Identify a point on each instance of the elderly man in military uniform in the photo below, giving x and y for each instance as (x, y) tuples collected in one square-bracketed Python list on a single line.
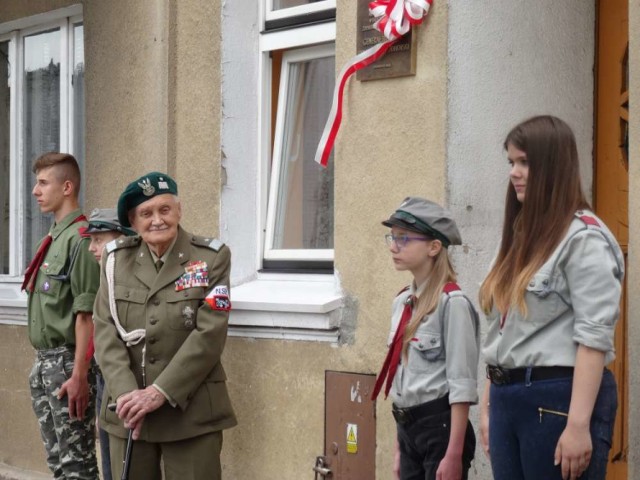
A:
[(160, 327)]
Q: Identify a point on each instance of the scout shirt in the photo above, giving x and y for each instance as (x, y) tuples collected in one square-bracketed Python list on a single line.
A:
[(66, 284), (184, 340), (573, 299), (442, 355)]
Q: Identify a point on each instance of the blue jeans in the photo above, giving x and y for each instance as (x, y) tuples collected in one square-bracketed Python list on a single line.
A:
[(524, 430)]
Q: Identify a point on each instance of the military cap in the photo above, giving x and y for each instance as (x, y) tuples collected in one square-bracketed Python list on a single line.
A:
[(106, 220), (144, 188), (426, 217)]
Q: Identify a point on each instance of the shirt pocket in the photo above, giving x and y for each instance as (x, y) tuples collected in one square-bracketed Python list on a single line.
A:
[(425, 348), (543, 302), (130, 304), (48, 283), (182, 308)]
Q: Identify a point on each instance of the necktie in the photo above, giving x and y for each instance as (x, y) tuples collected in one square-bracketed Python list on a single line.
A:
[(32, 270), (159, 264), (390, 364)]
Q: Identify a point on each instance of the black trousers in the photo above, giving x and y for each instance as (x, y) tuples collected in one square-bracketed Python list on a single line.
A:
[(423, 444)]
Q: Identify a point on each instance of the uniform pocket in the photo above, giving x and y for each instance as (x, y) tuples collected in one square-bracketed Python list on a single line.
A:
[(424, 349), (48, 284), (182, 308), (543, 303), (130, 303)]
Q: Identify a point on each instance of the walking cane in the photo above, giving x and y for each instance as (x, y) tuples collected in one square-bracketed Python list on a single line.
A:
[(127, 456)]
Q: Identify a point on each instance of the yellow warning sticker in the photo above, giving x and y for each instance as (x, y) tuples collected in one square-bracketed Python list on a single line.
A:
[(352, 438)]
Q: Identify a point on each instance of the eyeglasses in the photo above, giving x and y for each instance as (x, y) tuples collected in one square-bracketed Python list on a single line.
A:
[(402, 240)]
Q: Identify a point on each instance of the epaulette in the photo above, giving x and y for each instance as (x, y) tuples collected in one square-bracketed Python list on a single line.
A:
[(588, 220), (208, 242), (122, 242)]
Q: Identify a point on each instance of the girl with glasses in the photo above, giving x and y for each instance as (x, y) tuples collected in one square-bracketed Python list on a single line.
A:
[(552, 301), (431, 365)]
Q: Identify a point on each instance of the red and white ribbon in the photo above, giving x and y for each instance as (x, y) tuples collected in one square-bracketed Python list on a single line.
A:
[(394, 19)]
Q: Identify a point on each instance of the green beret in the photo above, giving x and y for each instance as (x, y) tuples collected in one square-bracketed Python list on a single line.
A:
[(144, 188)]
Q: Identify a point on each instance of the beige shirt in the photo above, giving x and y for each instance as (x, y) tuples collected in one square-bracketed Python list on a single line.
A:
[(442, 356), (573, 299)]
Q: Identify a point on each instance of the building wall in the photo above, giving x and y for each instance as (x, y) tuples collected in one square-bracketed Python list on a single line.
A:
[(508, 61)]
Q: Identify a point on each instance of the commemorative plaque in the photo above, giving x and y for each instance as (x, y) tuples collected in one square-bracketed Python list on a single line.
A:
[(400, 59)]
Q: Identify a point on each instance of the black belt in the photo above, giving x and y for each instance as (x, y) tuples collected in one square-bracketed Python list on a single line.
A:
[(505, 376), (411, 414)]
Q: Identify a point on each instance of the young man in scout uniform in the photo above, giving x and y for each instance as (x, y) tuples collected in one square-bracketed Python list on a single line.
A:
[(62, 281), (104, 227), (161, 323)]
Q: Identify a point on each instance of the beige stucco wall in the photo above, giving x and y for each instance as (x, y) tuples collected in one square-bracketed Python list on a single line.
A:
[(634, 242)]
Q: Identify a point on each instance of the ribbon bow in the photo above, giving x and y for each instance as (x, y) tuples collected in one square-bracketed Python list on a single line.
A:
[(394, 19)]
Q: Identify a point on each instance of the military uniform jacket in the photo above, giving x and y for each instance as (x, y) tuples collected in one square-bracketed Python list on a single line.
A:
[(573, 299), (66, 284), (184, 340), (442, 356)]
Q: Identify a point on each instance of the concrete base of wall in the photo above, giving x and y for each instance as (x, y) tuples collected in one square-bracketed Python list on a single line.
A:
[(13, 473)]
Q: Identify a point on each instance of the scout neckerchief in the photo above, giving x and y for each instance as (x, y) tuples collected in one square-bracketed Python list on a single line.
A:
[(35, 264), (390, 365)]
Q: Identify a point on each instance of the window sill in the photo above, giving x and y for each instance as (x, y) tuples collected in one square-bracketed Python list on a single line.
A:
[(288, 307), (13, 302)]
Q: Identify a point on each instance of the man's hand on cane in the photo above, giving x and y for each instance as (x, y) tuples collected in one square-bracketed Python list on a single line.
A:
[(133, 406)]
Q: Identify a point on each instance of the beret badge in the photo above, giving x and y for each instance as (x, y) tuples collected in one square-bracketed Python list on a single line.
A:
[(147, 188)]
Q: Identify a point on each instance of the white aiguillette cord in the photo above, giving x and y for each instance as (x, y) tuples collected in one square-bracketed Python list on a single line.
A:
[(130, 338)]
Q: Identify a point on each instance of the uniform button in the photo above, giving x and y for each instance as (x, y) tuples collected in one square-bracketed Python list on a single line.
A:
[(156, 301), (126, 295), (532, 284), (152, 340), (153, 321), (545, 282), (152, 360), (186, 294)]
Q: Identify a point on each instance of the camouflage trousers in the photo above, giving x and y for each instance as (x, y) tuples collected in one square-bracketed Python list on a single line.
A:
[(70, 444)]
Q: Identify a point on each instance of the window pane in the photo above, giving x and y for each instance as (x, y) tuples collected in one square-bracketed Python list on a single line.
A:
[(304, 212), (5, 160), (77, 83), (280, 4), (41, 107)]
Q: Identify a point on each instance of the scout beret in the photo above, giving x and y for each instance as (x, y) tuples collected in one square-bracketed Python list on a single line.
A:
[(426, 217), (106, 220), (144, 188)]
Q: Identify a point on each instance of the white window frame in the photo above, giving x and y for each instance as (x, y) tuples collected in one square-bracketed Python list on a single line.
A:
[(270, 252), (285, 306), (271, 14), (12, 300)]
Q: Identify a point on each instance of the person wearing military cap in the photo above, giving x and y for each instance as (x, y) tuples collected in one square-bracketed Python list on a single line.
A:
[(103, 227), (161, 321), (431, 365)]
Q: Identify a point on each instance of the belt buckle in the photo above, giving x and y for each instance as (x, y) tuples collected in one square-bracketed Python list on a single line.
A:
[(401, 416), (497, 375)]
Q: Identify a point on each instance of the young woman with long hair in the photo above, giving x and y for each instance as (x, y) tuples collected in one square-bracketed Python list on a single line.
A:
[(431, 366), (552, 301)]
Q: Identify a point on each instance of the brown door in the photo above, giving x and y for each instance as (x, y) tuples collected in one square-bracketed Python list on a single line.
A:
[(611, 184)]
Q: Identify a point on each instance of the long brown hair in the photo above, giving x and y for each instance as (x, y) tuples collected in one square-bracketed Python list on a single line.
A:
[(441, 273), (534, 228)]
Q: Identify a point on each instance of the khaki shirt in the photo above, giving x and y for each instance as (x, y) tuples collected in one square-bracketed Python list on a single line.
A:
[(442, 356), (66, 284), (574, 299)]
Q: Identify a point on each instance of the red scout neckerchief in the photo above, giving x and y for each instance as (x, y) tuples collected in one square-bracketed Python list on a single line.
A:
[(588, 221), (35, 264), (392, 360)]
